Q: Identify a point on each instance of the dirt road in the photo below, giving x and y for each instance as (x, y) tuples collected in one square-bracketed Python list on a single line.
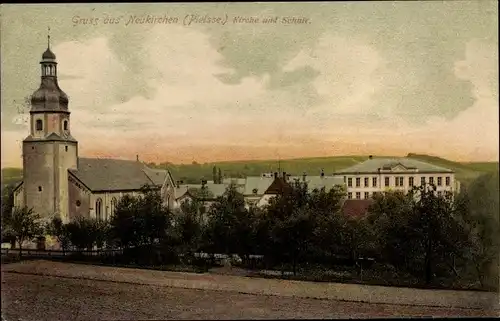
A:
[(34, 297)]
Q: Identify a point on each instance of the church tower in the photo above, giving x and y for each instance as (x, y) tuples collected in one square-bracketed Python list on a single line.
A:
[(49, 150)]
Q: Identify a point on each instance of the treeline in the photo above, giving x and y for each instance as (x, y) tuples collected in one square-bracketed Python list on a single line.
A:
[(430, 237)]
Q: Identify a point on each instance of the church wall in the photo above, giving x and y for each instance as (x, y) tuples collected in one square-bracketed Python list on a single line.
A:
[(65, 159), (106, 198), (55, 122), (77, 192), (39, 133), (39, 178), (19, 197)]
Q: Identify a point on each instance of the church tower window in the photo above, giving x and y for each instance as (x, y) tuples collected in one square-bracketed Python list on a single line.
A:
[(65, 125), (39, 124)]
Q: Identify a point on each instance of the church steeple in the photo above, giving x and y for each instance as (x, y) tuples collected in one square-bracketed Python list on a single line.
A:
[(49, 64), (49, 97), (49, 150)]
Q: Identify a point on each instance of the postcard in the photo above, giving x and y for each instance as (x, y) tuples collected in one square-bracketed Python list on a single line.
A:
[(353, 105)]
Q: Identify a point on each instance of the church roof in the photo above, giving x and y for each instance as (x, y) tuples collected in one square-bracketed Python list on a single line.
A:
[(52, 137), (49, 97), (104, 174), (48, 54)]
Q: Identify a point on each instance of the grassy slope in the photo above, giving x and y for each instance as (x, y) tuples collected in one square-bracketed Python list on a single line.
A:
[(193, 173), (11, 175)]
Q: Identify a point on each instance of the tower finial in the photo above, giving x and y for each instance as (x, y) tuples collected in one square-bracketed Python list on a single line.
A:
[(48, 37)]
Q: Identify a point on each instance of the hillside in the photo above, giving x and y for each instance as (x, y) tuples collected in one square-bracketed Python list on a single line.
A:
[(11, 175), (193, 173)]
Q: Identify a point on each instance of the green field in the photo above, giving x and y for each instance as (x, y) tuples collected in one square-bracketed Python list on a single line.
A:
[(193, 173)]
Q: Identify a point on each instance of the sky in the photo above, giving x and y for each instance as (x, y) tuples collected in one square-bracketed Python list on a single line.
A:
[(353, 78)]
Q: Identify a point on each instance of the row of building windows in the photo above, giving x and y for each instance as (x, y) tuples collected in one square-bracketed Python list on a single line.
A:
[(39, 124), (398, 181), (103, 216), (367, 195)]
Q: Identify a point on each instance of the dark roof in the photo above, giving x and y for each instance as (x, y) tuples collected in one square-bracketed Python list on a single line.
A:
[(49, 97), (64, 137), (278, 186), (48, 54), (17, 185), (356, 208), (104, 174)]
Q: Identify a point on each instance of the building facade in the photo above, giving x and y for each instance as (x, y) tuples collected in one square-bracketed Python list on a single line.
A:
[(377, 175)]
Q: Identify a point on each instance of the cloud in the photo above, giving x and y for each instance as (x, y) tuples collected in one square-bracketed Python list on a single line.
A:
[(190, 104), (474, 132), (349, 73), (354, 78)]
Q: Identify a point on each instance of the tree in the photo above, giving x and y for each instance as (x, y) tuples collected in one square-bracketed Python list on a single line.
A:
[(291, 224), (141, 220), (25, 225), (214, 174), (328, 220), (188, 227), (478, 207), (59, 230), (7, 206), (154, 217), (101, 233), (123, 226), (388, 217), (225, 229), (82, 233), (220, 178)]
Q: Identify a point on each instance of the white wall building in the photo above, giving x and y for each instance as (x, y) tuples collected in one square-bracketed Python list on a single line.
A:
[(390, 174)]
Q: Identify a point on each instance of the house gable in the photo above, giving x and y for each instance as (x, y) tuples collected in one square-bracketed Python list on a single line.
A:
[(278, 186)]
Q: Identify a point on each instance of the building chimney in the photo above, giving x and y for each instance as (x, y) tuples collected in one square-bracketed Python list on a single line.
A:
[(370, 157), (137, 157), (322, 173), (304, 176)]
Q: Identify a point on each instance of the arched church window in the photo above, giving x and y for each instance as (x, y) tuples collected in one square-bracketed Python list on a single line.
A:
[(47, 71), (52, 70), (39, 124), (98, 209), (113, 206), (65, 125)]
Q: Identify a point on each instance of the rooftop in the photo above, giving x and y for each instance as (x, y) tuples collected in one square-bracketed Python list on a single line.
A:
[(104, 174), (404, 163)]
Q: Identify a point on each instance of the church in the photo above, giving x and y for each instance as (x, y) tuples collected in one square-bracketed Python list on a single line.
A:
[(56, 181)]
